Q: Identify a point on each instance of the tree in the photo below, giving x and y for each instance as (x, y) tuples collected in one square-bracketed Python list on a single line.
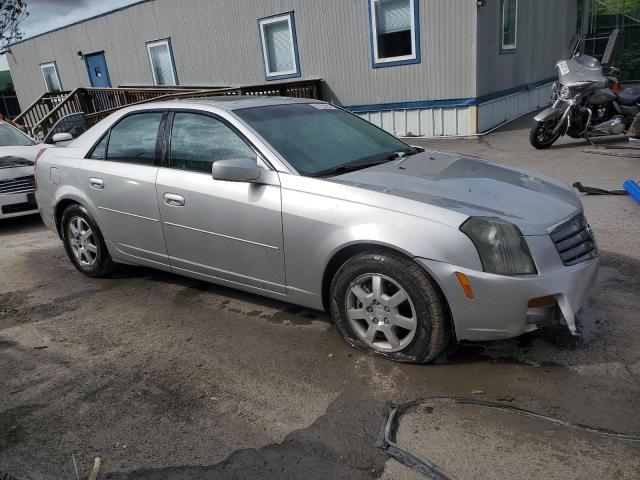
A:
[(12, 13), (614, 7)]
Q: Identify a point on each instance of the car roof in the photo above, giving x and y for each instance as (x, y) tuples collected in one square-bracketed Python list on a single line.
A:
[(238, 102)]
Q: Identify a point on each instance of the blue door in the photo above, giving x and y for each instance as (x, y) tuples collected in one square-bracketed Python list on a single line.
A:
[(97, 67)]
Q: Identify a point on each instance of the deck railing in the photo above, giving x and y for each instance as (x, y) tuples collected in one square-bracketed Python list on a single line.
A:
[(39, 109), (98, 103)]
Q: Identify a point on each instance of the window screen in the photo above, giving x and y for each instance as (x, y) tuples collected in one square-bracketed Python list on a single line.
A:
[(279, 46), (509, 23), (393, 28), (51, 79), (161, 63), (133, 139), (279, 51), (199, 140)]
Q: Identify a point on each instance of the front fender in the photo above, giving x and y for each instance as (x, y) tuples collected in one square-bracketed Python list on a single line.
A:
[(318, 223), (547, 114)]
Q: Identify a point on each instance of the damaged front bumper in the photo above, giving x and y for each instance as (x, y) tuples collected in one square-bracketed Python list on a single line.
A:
[(501, 305)]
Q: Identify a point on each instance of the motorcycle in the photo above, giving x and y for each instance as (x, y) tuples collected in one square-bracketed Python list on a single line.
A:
[(587, 102)]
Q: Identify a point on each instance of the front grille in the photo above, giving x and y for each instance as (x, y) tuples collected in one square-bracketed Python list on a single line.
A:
[(17, 185), (574, 241)]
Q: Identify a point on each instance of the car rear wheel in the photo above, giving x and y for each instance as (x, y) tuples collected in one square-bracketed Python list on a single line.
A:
[(84, 243), (386, 305)]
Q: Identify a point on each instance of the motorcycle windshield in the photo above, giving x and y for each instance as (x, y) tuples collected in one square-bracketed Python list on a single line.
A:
[(582, 68)]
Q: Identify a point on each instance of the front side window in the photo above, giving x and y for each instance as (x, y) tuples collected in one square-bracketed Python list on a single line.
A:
[(51, 78), (99, 152), (279, 46), (161, 58), (509, 25), (395, 36), (199, 140), (10, 136), (316, 138), (133, 139)]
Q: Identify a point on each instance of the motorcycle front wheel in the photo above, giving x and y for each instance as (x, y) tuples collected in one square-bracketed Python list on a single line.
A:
[(542, 135)]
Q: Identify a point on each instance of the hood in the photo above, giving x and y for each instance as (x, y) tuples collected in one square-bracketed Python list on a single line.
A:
[(472, 187)]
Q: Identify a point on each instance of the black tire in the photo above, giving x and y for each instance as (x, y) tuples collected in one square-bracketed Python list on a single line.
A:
[(431, 335), (541, 137), (103, 264)]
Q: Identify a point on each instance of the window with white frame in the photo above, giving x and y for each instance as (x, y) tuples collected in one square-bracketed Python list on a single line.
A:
[(51, 78), (161, 59), (279, 46), (394, 32), (509, 24)]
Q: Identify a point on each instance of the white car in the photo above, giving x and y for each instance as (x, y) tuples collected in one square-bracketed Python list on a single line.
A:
[(18, 153)]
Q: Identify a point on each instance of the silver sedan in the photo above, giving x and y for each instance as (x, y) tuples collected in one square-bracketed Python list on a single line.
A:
[(304, 202)]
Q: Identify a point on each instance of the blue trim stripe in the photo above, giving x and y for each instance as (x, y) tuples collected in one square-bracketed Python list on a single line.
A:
[(109, 12), (452, 102)]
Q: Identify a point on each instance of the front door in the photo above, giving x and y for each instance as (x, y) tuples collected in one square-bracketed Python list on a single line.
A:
[(230, 232), (119, 178), (97, 68)]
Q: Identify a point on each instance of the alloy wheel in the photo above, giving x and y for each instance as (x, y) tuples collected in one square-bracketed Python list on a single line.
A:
[(82, 242), (381, 312)]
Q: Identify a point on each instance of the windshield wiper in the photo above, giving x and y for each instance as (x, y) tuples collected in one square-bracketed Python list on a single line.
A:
[(359, 165)]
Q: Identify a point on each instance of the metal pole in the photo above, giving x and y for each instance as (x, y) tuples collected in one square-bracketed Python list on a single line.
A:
[(6, 109), (584, 26)]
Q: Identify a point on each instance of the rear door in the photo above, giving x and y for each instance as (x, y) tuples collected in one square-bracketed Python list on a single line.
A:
[(218, 230), (119, 177)]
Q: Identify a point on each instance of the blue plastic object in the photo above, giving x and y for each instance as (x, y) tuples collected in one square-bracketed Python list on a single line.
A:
[(632, 189)]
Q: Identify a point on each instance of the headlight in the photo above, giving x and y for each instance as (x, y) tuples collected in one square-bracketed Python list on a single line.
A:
[(501, 246), (565, 93)]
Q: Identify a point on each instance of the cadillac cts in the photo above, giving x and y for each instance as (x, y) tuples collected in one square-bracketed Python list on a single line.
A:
[(302, 201)]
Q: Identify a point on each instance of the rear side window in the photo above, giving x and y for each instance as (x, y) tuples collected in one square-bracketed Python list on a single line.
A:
[(133, 139), (199, 140)]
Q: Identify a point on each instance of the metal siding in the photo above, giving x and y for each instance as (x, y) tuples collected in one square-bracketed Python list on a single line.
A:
[(544, 27), (502, 109), (218, 43), (432, 122)]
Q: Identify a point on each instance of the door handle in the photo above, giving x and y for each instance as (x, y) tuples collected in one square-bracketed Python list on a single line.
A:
[(96, 183), (173, 200)]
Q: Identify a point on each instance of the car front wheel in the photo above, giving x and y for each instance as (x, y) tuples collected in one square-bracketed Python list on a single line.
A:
[(386, 305), (84, 243)]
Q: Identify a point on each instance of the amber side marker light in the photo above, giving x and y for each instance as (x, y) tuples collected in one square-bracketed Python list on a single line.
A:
[(542, 302), (466, 286)]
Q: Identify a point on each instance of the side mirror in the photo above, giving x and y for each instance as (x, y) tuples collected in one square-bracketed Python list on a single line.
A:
[(236, 170), (61, 137)]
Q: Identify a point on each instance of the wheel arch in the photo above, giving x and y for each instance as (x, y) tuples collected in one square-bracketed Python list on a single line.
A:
[(59, 209), (346, 252)]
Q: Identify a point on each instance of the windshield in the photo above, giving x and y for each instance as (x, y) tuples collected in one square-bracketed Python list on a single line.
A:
[(582, 68), (10, 136), (318, 138)]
